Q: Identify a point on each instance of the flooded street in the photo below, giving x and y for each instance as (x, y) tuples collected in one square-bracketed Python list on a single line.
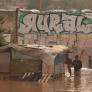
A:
[(81, 83)]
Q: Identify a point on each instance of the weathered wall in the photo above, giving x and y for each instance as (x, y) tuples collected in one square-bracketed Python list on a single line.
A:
[(56, 28), (5, 62), (69, 28), (8, 20), (55, 23), (22, 63)]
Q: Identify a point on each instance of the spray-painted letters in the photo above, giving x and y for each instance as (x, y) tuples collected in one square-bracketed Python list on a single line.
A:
[(55, 23)]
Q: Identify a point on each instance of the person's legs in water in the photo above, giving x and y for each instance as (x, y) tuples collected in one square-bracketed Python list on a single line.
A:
[(69, 70), (77, 73)]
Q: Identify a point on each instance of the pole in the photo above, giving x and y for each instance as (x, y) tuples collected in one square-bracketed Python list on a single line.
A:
[(41, 5), (16, 28), (14, 35)]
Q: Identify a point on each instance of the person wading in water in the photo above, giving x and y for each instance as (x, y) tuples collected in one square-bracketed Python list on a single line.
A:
[(77, 64)]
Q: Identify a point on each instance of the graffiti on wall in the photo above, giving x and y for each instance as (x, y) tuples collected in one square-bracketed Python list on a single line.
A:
[(45, 28), (57, 23)]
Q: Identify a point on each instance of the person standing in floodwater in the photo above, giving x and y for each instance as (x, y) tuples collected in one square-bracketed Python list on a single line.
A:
[(77, 64), (89, 61), (69, 65)]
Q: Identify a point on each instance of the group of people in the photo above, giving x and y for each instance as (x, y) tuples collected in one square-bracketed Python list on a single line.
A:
[(77, 64)]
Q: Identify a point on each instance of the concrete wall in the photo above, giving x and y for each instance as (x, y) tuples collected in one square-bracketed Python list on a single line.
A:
[(4, 62)]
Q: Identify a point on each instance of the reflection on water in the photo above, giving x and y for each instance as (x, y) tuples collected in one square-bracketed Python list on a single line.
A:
[(77, 83), (81, 83)]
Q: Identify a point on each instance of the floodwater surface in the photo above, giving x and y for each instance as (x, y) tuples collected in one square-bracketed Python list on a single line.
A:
[(81, 83)]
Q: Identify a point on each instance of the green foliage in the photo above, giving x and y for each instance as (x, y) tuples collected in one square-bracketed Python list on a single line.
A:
[(46, 3), (62, 4), (2, 30), (1, 20), (34, 4), (2, 41)]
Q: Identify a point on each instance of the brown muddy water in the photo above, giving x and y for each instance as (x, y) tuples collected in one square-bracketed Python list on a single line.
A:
[(81, 83)]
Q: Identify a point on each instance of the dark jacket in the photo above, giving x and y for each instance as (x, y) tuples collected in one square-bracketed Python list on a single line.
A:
[(77, 65)]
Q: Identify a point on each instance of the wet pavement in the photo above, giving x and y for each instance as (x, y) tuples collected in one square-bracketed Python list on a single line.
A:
[(81, 83)]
